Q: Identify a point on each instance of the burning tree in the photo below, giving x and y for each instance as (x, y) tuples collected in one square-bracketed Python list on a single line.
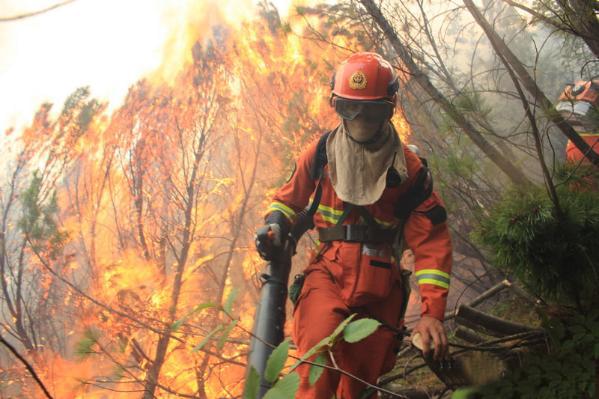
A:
[(124, 232)]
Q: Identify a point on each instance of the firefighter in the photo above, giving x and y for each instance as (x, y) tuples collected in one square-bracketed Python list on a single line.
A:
[(366, 188), (579, 105)]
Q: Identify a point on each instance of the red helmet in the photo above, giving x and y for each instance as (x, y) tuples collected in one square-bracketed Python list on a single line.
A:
[(365, 76)]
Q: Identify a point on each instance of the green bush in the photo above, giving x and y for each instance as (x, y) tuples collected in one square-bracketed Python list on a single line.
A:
[(554, 251), (555, 256)]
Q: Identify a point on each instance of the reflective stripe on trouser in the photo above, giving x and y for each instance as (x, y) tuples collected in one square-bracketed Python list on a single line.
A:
[(318, 312)]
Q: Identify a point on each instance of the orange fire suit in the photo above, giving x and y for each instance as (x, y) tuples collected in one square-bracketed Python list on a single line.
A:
[(353, 277), (574, 155)]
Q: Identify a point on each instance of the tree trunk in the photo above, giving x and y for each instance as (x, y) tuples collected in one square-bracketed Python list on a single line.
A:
[(584, 22), (531, 86), (506, 165)]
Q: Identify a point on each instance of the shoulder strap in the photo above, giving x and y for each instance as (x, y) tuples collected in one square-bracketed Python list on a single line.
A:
[(416, 195), (320, 157), (320, 160)]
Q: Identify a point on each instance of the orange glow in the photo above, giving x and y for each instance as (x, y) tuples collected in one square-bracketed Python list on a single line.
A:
[(159, 199)]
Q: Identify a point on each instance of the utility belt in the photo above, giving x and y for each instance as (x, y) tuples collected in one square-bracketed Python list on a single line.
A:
[(357, 233)]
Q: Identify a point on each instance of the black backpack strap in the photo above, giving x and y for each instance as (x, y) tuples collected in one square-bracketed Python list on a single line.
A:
[(305, 220), (416, 195), (320, 158)]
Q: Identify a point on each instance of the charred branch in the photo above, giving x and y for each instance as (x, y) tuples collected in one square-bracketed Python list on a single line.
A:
[(27, 365), (487, 324)]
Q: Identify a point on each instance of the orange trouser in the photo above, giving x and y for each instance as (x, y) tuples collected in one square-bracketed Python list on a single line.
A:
[(319, 310)]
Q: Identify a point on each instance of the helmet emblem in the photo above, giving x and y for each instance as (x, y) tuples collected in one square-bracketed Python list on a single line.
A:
[(357, 81)]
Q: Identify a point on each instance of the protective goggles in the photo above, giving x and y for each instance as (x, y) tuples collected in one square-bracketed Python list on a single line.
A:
[(378, 110)]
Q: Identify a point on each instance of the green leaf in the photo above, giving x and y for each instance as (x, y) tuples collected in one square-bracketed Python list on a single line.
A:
[(223, 338), (357, 330), (285, 388), (207, 338), (228, 306), (327, 341), (276, 361), (316, 371), (340, 328), (324, 342), (463, 393), (252, 384), (177, 324)]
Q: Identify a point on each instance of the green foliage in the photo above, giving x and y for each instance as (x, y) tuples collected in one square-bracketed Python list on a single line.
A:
[(471, 103), (80, 109), (207, 338), (38, 220), (464, 393), (557, 257), (75, 100), (228, 306), (84, 347), (276, 361), (285, 388), (252, 384), (566, 372), (87, 114), (227, 330), (359, 329), (316, 371), (325, 342), (177, 324)]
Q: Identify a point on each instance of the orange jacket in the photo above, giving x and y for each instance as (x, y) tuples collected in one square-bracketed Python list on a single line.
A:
[(574, 155), (430, 242)]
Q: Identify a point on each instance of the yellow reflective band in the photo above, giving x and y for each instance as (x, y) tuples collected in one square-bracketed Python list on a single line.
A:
[(279, 206), (330, 219), (432, 271), (332, 215), (589, 134), (433, 276), (328, 209), (431, 281)]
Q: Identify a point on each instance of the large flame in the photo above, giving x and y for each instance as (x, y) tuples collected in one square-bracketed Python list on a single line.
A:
[(159, 199)]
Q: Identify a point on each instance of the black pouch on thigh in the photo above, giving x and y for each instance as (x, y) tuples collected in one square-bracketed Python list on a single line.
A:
[(295, 288)]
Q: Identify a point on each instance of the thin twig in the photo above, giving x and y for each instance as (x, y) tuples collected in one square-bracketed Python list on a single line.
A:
[(27, 365), (34, 13)]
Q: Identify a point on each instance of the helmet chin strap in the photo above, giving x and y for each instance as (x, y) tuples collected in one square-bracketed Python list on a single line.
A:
[(376, 137)]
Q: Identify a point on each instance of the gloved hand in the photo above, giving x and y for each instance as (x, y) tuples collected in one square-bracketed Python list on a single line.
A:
[(268, 238)]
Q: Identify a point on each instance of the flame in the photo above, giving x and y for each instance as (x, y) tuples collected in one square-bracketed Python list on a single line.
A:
[(159, 198)]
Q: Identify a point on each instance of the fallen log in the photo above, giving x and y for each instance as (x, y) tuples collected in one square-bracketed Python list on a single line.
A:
[(484, 323), (468, 335)]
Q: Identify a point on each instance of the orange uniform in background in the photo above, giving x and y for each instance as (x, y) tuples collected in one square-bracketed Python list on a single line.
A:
[(355, 277), (579, 105)]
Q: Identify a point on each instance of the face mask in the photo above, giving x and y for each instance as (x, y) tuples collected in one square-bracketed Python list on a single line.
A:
[(362, 130)]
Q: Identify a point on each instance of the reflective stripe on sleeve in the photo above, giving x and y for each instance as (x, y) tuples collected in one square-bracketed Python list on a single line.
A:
[(433, 276), (284, 209)]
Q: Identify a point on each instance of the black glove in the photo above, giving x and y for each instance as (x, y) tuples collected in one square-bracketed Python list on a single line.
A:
[(267, 238), (271, 236)]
